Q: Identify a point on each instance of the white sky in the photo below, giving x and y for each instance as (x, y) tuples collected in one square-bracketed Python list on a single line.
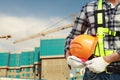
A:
[(21, 27)]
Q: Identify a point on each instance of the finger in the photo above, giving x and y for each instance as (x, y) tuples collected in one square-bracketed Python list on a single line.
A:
[(76, 58), (91, 68), (88, 62)]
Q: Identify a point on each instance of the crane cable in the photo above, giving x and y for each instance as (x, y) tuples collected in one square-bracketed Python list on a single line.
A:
[(49, 27)]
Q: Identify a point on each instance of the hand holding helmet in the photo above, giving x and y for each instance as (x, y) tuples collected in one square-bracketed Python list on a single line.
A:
[(75, 62), (81, 48), (97, 64)]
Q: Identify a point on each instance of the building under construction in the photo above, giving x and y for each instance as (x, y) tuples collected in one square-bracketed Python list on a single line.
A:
[(46, 62)]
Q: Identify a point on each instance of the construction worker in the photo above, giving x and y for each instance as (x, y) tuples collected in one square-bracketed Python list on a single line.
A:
[(106, 67)]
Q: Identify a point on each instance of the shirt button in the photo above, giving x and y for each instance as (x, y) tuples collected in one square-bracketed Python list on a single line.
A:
[(111, 44)]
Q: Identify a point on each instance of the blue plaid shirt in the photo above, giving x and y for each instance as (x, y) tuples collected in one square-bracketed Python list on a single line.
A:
[(86, 23)]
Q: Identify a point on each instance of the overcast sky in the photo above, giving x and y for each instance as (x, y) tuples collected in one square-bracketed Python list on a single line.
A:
[(23, 18)]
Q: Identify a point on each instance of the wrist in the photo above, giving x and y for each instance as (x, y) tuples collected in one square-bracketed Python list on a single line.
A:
[(112, 57), (107, 59)]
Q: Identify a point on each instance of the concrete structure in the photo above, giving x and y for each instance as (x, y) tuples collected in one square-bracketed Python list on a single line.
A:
[(45, 62)]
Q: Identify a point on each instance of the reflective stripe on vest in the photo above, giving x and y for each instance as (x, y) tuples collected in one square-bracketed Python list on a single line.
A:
[(101, 32)]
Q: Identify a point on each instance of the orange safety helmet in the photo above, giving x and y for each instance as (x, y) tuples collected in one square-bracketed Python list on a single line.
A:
[(83, 46)]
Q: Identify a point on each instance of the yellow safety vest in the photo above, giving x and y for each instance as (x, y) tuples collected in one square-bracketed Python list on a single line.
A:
[(102, 31)]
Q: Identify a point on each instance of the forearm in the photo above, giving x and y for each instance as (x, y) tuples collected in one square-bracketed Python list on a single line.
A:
[(112, 57)]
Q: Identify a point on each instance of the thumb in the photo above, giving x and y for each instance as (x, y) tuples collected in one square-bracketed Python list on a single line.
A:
[(89, 66)]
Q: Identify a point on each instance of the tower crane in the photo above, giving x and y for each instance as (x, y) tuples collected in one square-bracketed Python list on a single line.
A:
[(46, 32)]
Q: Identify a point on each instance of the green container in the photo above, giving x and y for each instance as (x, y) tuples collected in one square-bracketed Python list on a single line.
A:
[(37, 55), (14, 60), (27, 58), (52, 47), (4, 59)]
